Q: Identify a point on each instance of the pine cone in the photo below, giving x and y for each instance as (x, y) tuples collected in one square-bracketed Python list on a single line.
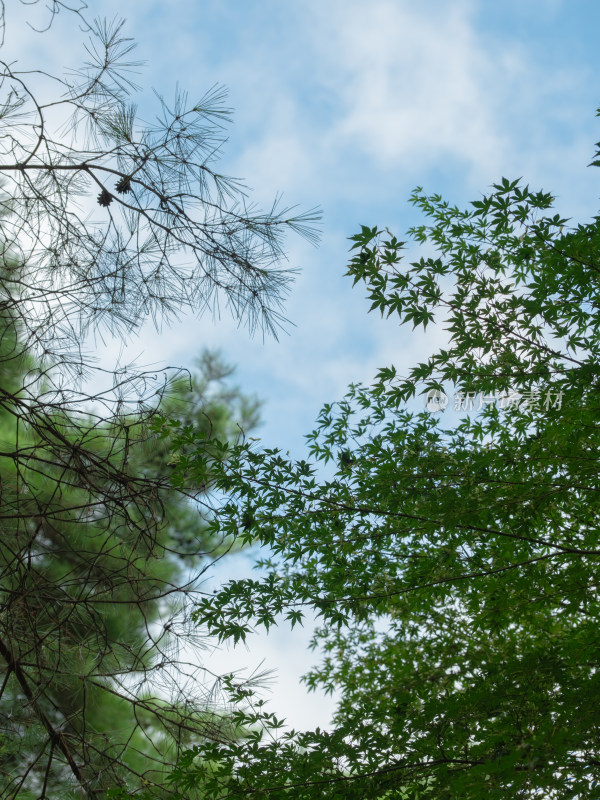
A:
[(105, 198), (123, 185)]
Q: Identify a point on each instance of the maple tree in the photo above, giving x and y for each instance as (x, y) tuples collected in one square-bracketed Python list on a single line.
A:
[(453, 567)]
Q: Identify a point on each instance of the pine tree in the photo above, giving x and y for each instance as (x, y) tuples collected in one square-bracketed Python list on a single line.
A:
[(99, 557), (108, 222)]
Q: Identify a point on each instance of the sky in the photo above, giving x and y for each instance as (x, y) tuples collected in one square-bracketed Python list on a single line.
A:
[(349, 106)]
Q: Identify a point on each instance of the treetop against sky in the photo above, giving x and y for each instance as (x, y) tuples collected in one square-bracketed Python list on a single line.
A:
[(350, 111)]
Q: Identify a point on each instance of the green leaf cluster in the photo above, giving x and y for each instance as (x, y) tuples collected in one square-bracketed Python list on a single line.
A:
[(453, 570)]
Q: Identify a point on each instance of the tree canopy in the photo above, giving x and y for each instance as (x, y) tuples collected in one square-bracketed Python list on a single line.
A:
[(453, 567)]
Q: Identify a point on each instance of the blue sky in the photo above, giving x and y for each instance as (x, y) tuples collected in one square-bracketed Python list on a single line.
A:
[(349, 105)]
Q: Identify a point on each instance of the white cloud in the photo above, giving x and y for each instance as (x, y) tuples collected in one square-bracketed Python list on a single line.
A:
[(414, 82)]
